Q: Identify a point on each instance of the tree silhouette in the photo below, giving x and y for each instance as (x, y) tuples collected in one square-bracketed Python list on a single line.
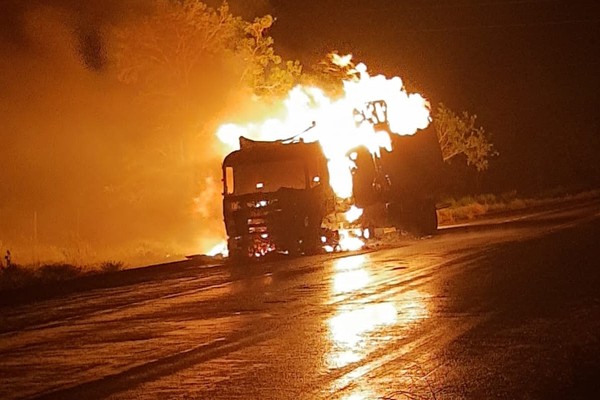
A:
[(458, 134)]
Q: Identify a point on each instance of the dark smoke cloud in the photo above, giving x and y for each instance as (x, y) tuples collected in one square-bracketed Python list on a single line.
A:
[(85, 19)]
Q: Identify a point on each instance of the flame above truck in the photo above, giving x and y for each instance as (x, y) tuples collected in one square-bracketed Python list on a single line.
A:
[(350, 142), (350, 121), (277, 195)]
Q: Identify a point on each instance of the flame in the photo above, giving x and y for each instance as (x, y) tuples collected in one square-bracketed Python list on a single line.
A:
[(353, 213), (340, 126), (350, 239), (337, 125), (341, 61)]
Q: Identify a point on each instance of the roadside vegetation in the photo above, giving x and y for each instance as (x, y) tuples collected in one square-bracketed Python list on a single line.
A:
[(468, 208), (15, 276)]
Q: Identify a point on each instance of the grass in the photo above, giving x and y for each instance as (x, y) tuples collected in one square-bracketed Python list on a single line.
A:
[(111, 266), (471, 207), (49, 263), (19, 276), (55, 263)]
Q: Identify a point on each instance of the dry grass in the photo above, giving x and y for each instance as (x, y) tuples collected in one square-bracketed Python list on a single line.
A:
[(19, 276), (472, 207), (48, 263)]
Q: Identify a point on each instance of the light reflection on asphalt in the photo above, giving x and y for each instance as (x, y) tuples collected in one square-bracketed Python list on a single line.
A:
[(350, 281), (350, 328), (359, 327), (423, 321)]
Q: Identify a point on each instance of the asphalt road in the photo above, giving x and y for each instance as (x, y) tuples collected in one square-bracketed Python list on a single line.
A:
[(506, 308)]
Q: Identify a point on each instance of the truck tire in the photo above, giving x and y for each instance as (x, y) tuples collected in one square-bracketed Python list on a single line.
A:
[(238, 253), (311, 243), (236, 256)]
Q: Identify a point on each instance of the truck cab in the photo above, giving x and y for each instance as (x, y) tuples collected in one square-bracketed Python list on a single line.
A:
[(275, 197)]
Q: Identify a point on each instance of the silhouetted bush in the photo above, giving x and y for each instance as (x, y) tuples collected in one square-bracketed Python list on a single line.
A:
[(58, 272), (111, 266), (18, 276), (15, 276)]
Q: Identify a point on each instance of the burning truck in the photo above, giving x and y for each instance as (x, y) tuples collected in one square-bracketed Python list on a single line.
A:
[(370, 150)]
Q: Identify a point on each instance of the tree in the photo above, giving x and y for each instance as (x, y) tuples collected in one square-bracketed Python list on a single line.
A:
[(190, 60), (171, 46), (191, 66), (458, 134), (266, 72)]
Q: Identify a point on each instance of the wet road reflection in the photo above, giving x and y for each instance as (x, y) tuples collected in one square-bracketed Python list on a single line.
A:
[(350, 274), (362, 394), (363, 324), (349, 331)]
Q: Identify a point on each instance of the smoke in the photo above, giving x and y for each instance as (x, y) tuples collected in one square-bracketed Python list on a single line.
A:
[(93, 166)]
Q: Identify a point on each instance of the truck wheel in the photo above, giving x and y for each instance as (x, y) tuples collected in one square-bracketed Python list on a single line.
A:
[(312, 241), (234, 257), (238, 254)]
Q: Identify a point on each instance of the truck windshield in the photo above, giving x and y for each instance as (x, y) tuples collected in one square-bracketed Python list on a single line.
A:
[(268, 176)]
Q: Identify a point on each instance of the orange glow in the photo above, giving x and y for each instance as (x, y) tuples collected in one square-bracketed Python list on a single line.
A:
[(349, 281), (351, 275), (350, 263), (358, 326), (412, 308), (362, 394), (347, 328), (350, 239)]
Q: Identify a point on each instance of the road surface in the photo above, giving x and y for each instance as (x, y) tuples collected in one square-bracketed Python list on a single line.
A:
[(505, 308)]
